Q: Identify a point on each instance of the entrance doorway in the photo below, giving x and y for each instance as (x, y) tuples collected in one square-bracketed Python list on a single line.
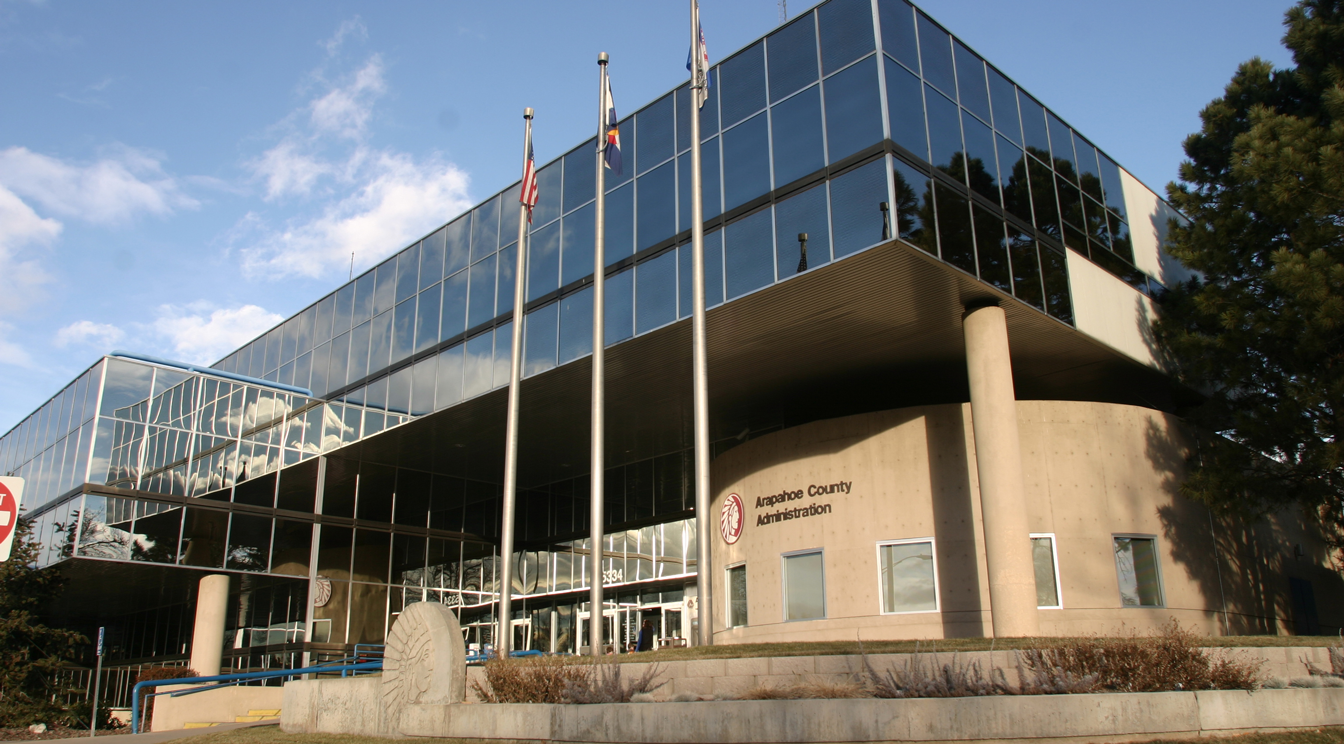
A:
[(522, 634)]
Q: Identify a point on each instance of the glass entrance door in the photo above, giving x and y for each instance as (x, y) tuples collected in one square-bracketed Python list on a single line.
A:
[(522, 634)]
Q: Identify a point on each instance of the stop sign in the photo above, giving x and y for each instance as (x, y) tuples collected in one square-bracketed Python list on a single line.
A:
[(11, 490)]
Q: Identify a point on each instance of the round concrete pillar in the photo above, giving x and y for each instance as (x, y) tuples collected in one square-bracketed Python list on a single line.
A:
[(207, 638), (998, 456)]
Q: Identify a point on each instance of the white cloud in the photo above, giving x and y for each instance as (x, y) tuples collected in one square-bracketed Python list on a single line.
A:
[(202, 334), (111, 191), (345, 110), (11, 353), (288, 171), (87, 332), (352, 27), (20, 229)]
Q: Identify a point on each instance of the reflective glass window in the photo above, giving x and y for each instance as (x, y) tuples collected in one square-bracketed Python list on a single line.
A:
[(981, 169), (453, 316), (1110, 181), (1003, 97), (657, 205), (737, 596), (1088, 174), (1120, 242), (709, 184), (539, 341), (576, 325), (709, 113), (713, 273), (804, 587), (1047, 575), (793, 57), (619, 236), (1070, 204), (1061, 147), (457, 245), (1034, 132), (380, 341), (749, 260), (798, 145), (427, 318), (580, 186), (944, 133), (403, 330), (303, 370), (431, 257), (249, 543), (478, 365), (743, 84), (1137, 566), (955, 238), (408, 273), (448, 378), (548, 197), (363, 300), (485, 229), (1026, 268), (909, 577), (656, 140), (481, 302), (971, 81), (857, 219), (340, 356), (803, 213), (1013, 176), (935, 50), (576, 245), (322, 318), (626, 137), (273, 338), (914, 207), (126, 390), (746, 162), (158, 528), (359, 351), (905, 110), (853, 109), (846, 32), (992, 249), (898, 32), (503, 353), (422, 386), (1055, 276), (1043, 204), (508, 267), (543, 262), (375, 393), (385, 289), (656, 292), (619, 317), (288, 345)]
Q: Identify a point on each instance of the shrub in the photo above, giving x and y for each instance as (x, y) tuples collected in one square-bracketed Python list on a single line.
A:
[(604, 685), (921, 678), (808, 691), (557, 679)]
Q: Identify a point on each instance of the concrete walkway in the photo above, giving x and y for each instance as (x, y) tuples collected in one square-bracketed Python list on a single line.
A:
[(150, 738)]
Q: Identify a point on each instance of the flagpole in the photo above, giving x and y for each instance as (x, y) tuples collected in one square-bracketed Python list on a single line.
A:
[(596, 517), (504, 640), (705, 582)]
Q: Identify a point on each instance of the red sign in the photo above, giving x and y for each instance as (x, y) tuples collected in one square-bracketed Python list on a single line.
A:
[(9, 518), (730, 519)]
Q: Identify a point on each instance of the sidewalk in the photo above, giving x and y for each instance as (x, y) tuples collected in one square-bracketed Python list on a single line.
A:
[(150, 738)]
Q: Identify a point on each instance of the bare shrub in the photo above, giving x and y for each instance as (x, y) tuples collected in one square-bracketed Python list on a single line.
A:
[(921, 678), (808, 691), (541, 679), (603, 684)]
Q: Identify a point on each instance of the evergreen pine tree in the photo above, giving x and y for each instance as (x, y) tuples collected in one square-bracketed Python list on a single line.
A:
[(1263, 332)]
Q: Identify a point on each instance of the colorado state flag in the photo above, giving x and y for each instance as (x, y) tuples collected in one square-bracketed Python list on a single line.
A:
[(613, 143)]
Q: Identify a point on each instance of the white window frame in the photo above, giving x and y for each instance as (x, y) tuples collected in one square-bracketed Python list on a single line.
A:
[(728, 596), (1054, 555), (937, 589), (784, 584), (1161, 580)]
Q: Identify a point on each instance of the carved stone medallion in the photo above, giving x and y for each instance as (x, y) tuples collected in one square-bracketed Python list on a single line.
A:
[(425, 661)]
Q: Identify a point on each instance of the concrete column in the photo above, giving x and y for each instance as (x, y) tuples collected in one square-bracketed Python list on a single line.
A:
[(207, 638), (998, 456)]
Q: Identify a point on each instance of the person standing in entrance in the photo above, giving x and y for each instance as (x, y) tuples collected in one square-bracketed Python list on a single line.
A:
[(645, 637)]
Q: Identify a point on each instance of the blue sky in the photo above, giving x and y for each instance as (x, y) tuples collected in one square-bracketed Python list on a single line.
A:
[(177, 177)]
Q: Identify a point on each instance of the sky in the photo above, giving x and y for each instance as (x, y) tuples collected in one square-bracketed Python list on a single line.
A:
[(176, 178)]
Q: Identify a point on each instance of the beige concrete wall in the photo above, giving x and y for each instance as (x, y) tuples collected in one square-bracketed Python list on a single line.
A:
[(1092, 470), (1112, 312), (212, 706), (1148, 217)]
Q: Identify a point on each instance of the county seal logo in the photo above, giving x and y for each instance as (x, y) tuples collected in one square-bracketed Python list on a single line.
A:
[(730, 520)]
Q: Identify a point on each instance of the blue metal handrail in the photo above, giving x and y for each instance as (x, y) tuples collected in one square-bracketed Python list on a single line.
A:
[(231, 679)]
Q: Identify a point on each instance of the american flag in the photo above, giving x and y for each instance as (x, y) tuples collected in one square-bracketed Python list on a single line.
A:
[(528, 196), (697, 62)]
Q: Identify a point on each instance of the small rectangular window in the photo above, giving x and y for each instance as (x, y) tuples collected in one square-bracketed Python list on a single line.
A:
[(1046, 562), (804, 586), (1138, 570), (908, 574), (737, 596)]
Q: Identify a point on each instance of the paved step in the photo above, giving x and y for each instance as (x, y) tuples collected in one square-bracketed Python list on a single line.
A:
[(200, 724), (264, 712)]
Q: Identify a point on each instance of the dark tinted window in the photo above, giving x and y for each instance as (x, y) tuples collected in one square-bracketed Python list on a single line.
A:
[(485, 229), (1043, 204), (656, 292), (954, 229), (619, 235), (793, 57), (709, 184), (743, 81), (797, 136), (1056, 279), (1033, 125), (898, 31), (657, 205), (543, 262), (856, 215), (612, 179), (709, 113), (579, 174), (1089, 177), (655, 133), (713, 273), (746, 162), (846, 32), (944, 132), (1026, 268), (1003, 97), (971, 82), (914, 207), (1110, 180), (749, 254), (905, 108), (1061, 147), (853, 110), (981, 171), (576, 245), (935, 50), (992, 249), (1013, 176), (802, 213)]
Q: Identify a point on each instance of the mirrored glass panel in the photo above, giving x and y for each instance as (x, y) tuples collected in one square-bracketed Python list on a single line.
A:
[(846, 32), (853, 110), (742, 81), (793, 57)]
